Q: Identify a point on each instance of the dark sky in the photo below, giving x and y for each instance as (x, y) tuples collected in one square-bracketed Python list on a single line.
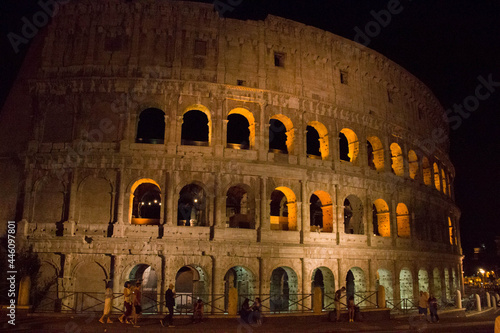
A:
[(447, 44)]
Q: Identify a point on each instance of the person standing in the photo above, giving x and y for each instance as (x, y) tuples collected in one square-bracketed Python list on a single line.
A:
[(257, 311), (433, 308), (137, 303), (127, 302), (169, 302), (337, 298), (108, 297), (198, 311), (351, 307), (423, 304)]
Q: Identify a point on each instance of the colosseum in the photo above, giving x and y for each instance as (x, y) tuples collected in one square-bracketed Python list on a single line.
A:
[(160, 142)]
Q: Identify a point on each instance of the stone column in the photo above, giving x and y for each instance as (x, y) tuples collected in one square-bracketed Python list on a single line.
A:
[(264, 206)]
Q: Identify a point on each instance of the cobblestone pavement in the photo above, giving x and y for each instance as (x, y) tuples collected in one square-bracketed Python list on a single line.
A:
[(480, 322)]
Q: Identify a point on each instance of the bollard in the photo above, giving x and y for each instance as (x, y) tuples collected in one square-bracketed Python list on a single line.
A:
[(381, 297), (478, 303), (488, 300), (317, 300), (232, 303), (494, 301), (458, 300), (24, 291), (497, 325)]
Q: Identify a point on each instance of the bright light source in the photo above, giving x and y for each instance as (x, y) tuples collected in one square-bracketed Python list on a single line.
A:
[(195, 200)]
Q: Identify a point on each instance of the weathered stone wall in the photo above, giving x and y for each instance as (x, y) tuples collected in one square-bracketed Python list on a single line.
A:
[(104, 63)]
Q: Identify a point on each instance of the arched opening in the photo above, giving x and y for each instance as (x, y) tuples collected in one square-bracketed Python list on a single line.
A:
[(49, 202), (149, 282), (190, 284), (243, 280), (443, 180), (413, 164), (96, 201), (353, 216), (451, 231), (348, 145), (397, 160), (436, 277), (423, 280), (426, 171), (239, 209), (406, 287), (283, 209), (375, 153), (403, 220), (195, 128), (146, 204), (356, 285), (47, 280), (89, 278), (192, 206), (321, 212), (284, 287), (312, 138), (447, 284), (238, 131), (323, 278), (437, 181), (151, 126), (281, 134), (381, 219), (385, 279), (317, 140)]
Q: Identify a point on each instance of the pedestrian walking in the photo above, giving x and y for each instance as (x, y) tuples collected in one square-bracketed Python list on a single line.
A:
[(170, 303), (137, 299), (337, 298), (127, 302), (108, 297), (433, 308)]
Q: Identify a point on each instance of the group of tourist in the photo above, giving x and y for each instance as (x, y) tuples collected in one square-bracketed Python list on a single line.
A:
[(251, 314), (428, 302), (351, 306), (132, 296)]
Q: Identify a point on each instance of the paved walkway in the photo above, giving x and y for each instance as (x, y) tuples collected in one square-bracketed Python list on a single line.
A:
[(480, 322)]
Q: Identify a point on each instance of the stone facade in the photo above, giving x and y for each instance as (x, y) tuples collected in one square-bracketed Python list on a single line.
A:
[(100, 120)]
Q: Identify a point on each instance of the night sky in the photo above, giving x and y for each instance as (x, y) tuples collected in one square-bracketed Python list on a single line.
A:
[(447, 44)]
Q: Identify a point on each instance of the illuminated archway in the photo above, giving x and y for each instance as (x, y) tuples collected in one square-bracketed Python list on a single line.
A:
[(356, 285), (443, 180), (240, 134), (413, 164), (423, 280), (323, 278), (317, 137), (281, 134), (403, 220), (381, 218), (437, 180), (375, 151), (243, 280), (348, 145), (283, 209), (145, 202), (436, 279), (397, 160)]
